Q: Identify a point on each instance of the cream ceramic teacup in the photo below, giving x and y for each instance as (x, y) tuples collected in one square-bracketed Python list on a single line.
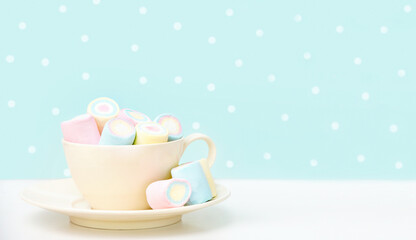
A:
[(116, 177)]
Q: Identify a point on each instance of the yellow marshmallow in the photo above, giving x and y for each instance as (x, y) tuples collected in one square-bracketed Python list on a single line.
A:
[(149, 133)]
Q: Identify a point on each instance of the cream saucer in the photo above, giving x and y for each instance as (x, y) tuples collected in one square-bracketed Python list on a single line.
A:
[(62, 196)]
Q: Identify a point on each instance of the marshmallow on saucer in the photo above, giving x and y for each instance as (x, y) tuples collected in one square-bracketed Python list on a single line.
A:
[(172, 124), (81, 129), (148, 133), (168, 193), (118, 132), (103, 109), (133, 116), (199, 176)]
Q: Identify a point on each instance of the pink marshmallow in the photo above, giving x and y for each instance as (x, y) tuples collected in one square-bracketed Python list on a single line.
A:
[(170, 193), (81, 129)]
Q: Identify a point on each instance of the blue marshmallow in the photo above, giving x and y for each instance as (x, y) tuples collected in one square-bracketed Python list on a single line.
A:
[(194, 174), (118, 132)]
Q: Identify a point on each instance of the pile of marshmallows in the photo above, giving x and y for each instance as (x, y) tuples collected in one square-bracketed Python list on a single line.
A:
[(105, 124)]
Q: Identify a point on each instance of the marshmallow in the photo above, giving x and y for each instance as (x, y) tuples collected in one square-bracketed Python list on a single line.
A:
[(81, 129), (103, 109), (133, 116), (148, 133), (172, 124), (168, 193), (118, 132), (202, 184)]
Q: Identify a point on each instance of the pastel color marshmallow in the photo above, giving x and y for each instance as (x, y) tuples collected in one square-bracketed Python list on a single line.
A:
[(172, 124), (133, 116), (103, 109), (81, 129), (208, 175), (168, 193), (150, 133), (118, 132), (194, 173)]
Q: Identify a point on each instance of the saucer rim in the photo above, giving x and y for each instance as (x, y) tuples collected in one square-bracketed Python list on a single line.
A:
[(72, 211)]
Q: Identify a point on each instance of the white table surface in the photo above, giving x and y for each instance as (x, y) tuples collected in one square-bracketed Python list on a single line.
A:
[(257, 209)]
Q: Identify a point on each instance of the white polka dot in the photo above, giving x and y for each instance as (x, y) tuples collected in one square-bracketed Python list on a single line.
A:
[(315, 90), (96, 2), (229, 12), (211, 87), (143, 80), (67, 172), (45, 62), (285, 117), (196, 125), (365, 96), (238, 63), (307, 55), (335, 125), (401, 73), (55, 111), (22, 25), (212, 40), (177, 26), (384, 29), (134, 47), (297, 18), (85, 76), (142, 10), (360, 158), (84, 38), (394, 128), (339, 29), (62, 9), (271, 78), (407, 8), (267, 156), (259, 33), (229, 164), (11, 103), (357, 61), (314, 162), (398, 165), (31, 149), (10, 58), (231, 108), (178, 79)]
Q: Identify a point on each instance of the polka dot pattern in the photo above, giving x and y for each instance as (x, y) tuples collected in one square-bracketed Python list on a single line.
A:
[(55, 111), (298, 18), (231, 108), (211, 87), (84, 38), (143, 80), (177, 26), (267, 156), (45, 62), (196, 125), (339, 29), (178, 80), (85, 76), (22, 25), (260, 83), (31, 149), (212, 40), (62, 9)]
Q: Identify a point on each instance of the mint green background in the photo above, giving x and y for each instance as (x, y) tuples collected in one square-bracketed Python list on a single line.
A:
[(255, 128)]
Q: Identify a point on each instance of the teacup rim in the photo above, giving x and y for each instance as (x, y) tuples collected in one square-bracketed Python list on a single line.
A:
[(120, 146)]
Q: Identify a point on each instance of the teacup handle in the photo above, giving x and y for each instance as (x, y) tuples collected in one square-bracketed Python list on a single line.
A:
[(212, 151)]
